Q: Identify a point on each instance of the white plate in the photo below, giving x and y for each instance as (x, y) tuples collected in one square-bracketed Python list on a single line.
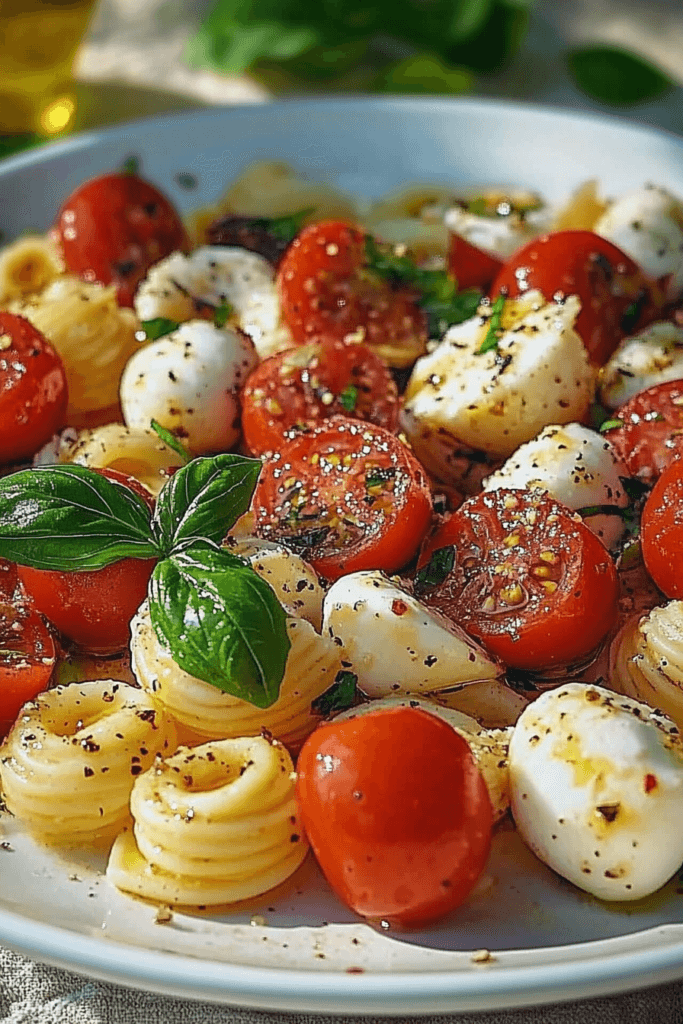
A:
[(304, 951)]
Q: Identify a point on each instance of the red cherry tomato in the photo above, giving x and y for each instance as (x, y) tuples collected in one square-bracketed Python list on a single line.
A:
[(652, 431), (346, 496), (611, 287), (27, 657), (661, 531), (397, 813), (326, 290), (33, 390), (312, 383), (93, 609), (471, 266), (528, 579), (113, 228)]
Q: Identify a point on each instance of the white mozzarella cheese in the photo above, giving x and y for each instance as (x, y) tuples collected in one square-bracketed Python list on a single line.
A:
[(652, 356), (189, 381), (596, 783), (394, 643), (217, 275), (577, 467), (459, 398), (647, 225), (502, 233), (294, 581)]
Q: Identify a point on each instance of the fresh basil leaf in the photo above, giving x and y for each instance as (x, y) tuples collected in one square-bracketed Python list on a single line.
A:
[(436, 570), (348, 397), (70, 518), (610, 425), (490, 342), (602, 510), (340, 696), (287, 227), (221, 623), (376, 476), (158, 327), (442, 315), (171, 441), (203, 499), (222, 314), (616, 76), (635, 489), (424, 73), (131, 165)]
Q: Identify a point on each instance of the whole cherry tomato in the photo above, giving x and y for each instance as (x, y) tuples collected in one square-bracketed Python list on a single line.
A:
[(346, 496), (327, 290), (651, 431), (113, 228), (33, 389), (27, 657), (612, 288), (313, 382), (661, 531), (471, 266), (93, 609), (525, 576), (397, 813)]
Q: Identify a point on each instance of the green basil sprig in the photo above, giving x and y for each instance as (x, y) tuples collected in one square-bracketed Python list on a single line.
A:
[(220, 621), (490, 342), (171, 441)]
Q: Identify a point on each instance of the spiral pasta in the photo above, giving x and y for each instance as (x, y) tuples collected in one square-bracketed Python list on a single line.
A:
[(72, 756), (646, 660), (27, 265), (138, 453), (204, 712), (94, 336), (213, 824), (293, 579)]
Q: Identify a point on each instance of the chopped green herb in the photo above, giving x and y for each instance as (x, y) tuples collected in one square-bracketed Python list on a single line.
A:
[(159, 327), (340, 696), (222, 314), (436, 570), (635, 488), (131, 165), (610, 425), (612, 75), (171, 440), (348, 397), (285, 228), (379, 475), (490, 342)]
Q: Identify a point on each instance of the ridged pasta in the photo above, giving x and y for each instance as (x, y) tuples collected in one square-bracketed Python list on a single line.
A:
[(28, 265), (71, 758), (646, 660), (213, 824), (204, 712), (139, 453), (94, 336)]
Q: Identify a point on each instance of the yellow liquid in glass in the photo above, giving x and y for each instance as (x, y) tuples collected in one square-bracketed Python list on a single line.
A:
[(38, 42)]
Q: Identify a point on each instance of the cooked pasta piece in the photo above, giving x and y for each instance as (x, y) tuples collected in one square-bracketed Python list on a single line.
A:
[(203, 712), (646, 660), (71, 758), (139, 453), (94, 336), (582, 210), (28, 265), (213, 824), (294, 581)]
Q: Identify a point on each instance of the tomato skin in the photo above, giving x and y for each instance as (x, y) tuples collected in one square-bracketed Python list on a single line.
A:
[(581, 263), (114, 227), (530, 580), (33, 389), (397, 813), (661, 531), (326, 291), (26, 672), (317, 486), (471, 266), (307, 385), (650, 438), (93, 609)]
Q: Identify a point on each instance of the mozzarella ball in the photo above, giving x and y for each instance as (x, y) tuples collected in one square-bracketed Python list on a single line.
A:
[(189, 381), (652, 356), (503, 231), (574, 465), (294, 581), (494, 401), (596, 784), (648, 226), (394, 643)]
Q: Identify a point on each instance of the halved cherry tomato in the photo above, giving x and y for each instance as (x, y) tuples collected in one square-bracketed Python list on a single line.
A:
[(612, 288), (8, 579), (305, 385), (529, 579), (27, 657), (652, 433), (326, 290), (33, 389), (93, 609), (113, 228), (346, 496), (661, 531), (471, 266), (397, 813)]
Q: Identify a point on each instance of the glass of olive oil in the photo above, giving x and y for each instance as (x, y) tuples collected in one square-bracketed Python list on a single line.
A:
[(38, 42)]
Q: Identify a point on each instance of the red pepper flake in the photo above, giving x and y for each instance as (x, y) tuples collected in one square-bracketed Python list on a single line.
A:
[(399, 607), (650, 783)]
